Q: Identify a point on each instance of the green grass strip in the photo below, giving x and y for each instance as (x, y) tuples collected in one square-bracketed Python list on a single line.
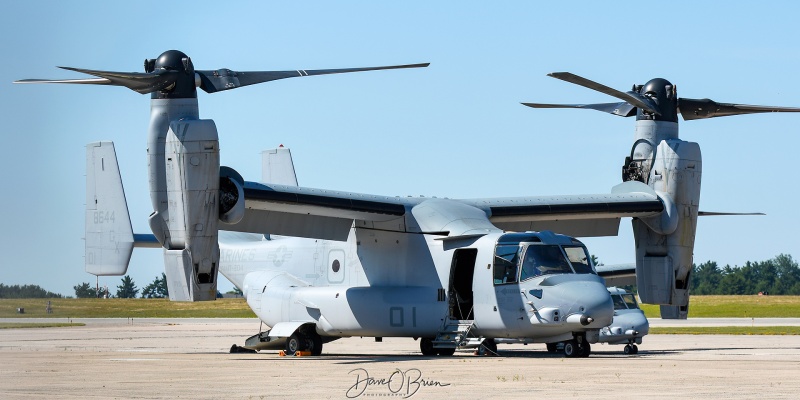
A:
[(699, 307), (125, 308), (726, 330), (20, 325), (737, 307)]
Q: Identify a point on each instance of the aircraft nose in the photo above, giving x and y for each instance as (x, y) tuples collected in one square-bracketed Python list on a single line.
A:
[(588, 303), (641, 324)]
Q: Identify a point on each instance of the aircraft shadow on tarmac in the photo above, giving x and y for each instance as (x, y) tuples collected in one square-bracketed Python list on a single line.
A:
[(351, 358)]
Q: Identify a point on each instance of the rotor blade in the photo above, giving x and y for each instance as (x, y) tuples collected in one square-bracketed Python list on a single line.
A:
[(704, 108), (630, 97), (88, 81), (224, 79), (137, 81), (623, 109), (715, 214)]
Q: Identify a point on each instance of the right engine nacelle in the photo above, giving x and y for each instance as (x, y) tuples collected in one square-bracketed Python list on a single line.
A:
[(665, 244)]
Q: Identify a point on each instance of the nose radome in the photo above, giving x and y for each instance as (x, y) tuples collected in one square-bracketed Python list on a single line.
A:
[(641, 324), (591, 301)]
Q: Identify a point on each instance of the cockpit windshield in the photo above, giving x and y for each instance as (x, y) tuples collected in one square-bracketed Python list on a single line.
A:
[(624, 301), (619, 304), (522, 256), (543, 260), (630, 300)]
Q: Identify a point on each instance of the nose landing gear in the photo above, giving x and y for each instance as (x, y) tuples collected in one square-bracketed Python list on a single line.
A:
[(631, 349)]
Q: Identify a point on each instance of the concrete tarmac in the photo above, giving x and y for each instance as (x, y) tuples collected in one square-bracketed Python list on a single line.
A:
[(189, 358)]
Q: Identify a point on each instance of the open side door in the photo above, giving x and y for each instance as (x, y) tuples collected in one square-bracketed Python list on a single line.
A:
[(460, 287)]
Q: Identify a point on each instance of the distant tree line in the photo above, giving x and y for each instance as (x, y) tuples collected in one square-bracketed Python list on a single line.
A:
[(25, 292), (780, 275), (87, 291), (126, 290), (156, 289)]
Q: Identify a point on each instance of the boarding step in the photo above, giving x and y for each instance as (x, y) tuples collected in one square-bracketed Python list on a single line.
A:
[(455, 333)]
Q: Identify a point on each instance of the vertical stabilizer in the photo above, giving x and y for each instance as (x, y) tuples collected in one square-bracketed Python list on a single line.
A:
[(109, 236), (277, 167)]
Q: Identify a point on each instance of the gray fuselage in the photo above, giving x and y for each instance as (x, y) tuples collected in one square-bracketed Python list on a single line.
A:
[(391, 284)]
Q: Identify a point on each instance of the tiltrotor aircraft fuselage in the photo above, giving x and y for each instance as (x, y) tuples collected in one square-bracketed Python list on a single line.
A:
[(537, 285)]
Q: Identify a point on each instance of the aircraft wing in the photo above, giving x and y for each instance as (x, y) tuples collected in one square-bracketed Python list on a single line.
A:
[(315, 213), (327, 214), (574, 215)]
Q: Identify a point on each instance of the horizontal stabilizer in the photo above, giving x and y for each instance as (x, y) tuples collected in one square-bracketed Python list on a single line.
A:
[(146, 240)]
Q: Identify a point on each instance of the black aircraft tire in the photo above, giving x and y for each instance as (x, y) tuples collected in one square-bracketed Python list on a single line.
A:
[(294, 344), (552, 347), (585, 349), (488, 347), (315, 344), (628, 349), (426, 347), (571, 348), (635, 349), (446, 352)]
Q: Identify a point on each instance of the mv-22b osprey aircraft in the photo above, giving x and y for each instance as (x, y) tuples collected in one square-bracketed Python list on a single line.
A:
[(316, 265)]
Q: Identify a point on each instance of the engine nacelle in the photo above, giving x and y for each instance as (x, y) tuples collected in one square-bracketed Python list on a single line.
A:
[(665, 244), (231, 196), (192, 184)]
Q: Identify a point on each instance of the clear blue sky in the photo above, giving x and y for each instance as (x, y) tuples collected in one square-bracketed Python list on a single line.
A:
[(455, 129)]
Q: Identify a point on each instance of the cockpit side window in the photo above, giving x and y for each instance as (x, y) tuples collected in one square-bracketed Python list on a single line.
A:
[(505, 264), (579, 259)]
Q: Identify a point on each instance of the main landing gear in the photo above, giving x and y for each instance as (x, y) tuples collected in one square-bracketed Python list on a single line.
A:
[(574, 348), (487, 348), (427, 349), (631, 349), (309, 341), (577, 347)]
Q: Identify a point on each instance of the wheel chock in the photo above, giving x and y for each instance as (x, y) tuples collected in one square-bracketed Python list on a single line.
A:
[(298, 353)]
